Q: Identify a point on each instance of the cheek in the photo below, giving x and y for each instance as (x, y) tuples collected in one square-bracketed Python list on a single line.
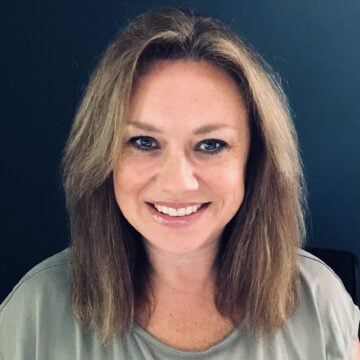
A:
[(229, 188), (229, 179), (131, 177)]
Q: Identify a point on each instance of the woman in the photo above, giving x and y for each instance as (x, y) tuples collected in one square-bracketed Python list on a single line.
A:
[(184, 190)]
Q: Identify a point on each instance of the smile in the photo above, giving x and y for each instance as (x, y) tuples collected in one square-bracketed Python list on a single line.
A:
[(179, 212)]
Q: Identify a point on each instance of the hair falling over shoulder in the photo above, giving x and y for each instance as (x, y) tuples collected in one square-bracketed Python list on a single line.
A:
[(257, 283)]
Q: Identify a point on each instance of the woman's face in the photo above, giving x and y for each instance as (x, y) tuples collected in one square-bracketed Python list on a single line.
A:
[(180, 177)]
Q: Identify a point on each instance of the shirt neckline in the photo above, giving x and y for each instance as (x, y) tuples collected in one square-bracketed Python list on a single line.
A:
[(235, 333)]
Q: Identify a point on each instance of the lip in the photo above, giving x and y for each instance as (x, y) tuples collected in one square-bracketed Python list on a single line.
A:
[(177, 221)]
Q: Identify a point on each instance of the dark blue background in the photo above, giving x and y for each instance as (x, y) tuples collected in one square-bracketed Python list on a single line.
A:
[(49, 49)]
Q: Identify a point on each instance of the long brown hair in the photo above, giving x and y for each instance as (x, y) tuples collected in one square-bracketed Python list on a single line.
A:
[(257, 282)]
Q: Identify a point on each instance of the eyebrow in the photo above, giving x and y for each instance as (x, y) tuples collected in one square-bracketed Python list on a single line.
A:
[(201, 130)]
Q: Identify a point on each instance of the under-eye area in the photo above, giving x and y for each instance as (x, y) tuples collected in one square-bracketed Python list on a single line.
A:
[(185, 211)]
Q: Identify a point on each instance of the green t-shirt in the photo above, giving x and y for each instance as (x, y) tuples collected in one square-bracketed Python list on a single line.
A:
[(36, 323)]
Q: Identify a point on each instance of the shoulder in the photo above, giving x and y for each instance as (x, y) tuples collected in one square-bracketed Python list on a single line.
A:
[(316, 274), (319, 279), (320, 283), (325, 304), (50, 274), (38, 306)]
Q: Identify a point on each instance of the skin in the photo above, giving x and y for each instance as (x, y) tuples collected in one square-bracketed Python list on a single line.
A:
[(356, 351), (177, 107), (180, 167)]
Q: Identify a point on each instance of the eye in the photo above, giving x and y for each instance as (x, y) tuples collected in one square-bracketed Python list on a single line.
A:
[(144, 143), (211, 146)]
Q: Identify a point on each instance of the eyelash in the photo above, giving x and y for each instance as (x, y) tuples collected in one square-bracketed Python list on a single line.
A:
[(220, 145)]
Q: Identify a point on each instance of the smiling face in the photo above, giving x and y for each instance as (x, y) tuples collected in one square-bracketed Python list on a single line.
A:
[(180, 177)]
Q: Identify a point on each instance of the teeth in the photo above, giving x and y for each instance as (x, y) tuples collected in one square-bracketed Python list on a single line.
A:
[(181, 212), (177, 212)]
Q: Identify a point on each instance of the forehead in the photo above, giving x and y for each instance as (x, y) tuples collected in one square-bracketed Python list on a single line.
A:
[(186, 91)]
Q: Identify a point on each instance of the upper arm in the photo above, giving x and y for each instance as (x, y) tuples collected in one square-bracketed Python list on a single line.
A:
[(338, 316), (356, 351)]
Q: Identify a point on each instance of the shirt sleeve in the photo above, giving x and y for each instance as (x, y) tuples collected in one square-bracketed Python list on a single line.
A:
[(18, 326), (35, 314), (339, 317)]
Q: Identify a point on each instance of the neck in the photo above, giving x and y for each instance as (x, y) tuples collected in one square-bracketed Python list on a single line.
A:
[(183, 274), (181, 285)]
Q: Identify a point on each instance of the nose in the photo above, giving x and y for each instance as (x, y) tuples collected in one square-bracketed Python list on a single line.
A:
[(177, 175)]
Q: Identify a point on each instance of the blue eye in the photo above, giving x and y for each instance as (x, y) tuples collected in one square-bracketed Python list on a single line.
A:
[(144, 143), (211, 146)]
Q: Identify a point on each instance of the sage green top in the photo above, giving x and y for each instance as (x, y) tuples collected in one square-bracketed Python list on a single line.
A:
[(36, 323)]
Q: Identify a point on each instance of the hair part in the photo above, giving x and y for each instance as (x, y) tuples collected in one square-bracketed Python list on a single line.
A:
[(257, 260)]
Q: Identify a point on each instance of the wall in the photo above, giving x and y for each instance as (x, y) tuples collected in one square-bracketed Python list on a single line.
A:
[(51, 47)]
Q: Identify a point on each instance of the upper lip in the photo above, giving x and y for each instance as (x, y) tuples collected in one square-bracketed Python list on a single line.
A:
[(177, 205)]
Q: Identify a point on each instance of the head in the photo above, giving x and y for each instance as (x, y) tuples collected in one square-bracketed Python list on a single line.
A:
[(186, 145), (265, 226)]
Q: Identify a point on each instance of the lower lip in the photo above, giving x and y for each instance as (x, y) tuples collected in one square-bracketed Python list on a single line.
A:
[(177, 221)]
